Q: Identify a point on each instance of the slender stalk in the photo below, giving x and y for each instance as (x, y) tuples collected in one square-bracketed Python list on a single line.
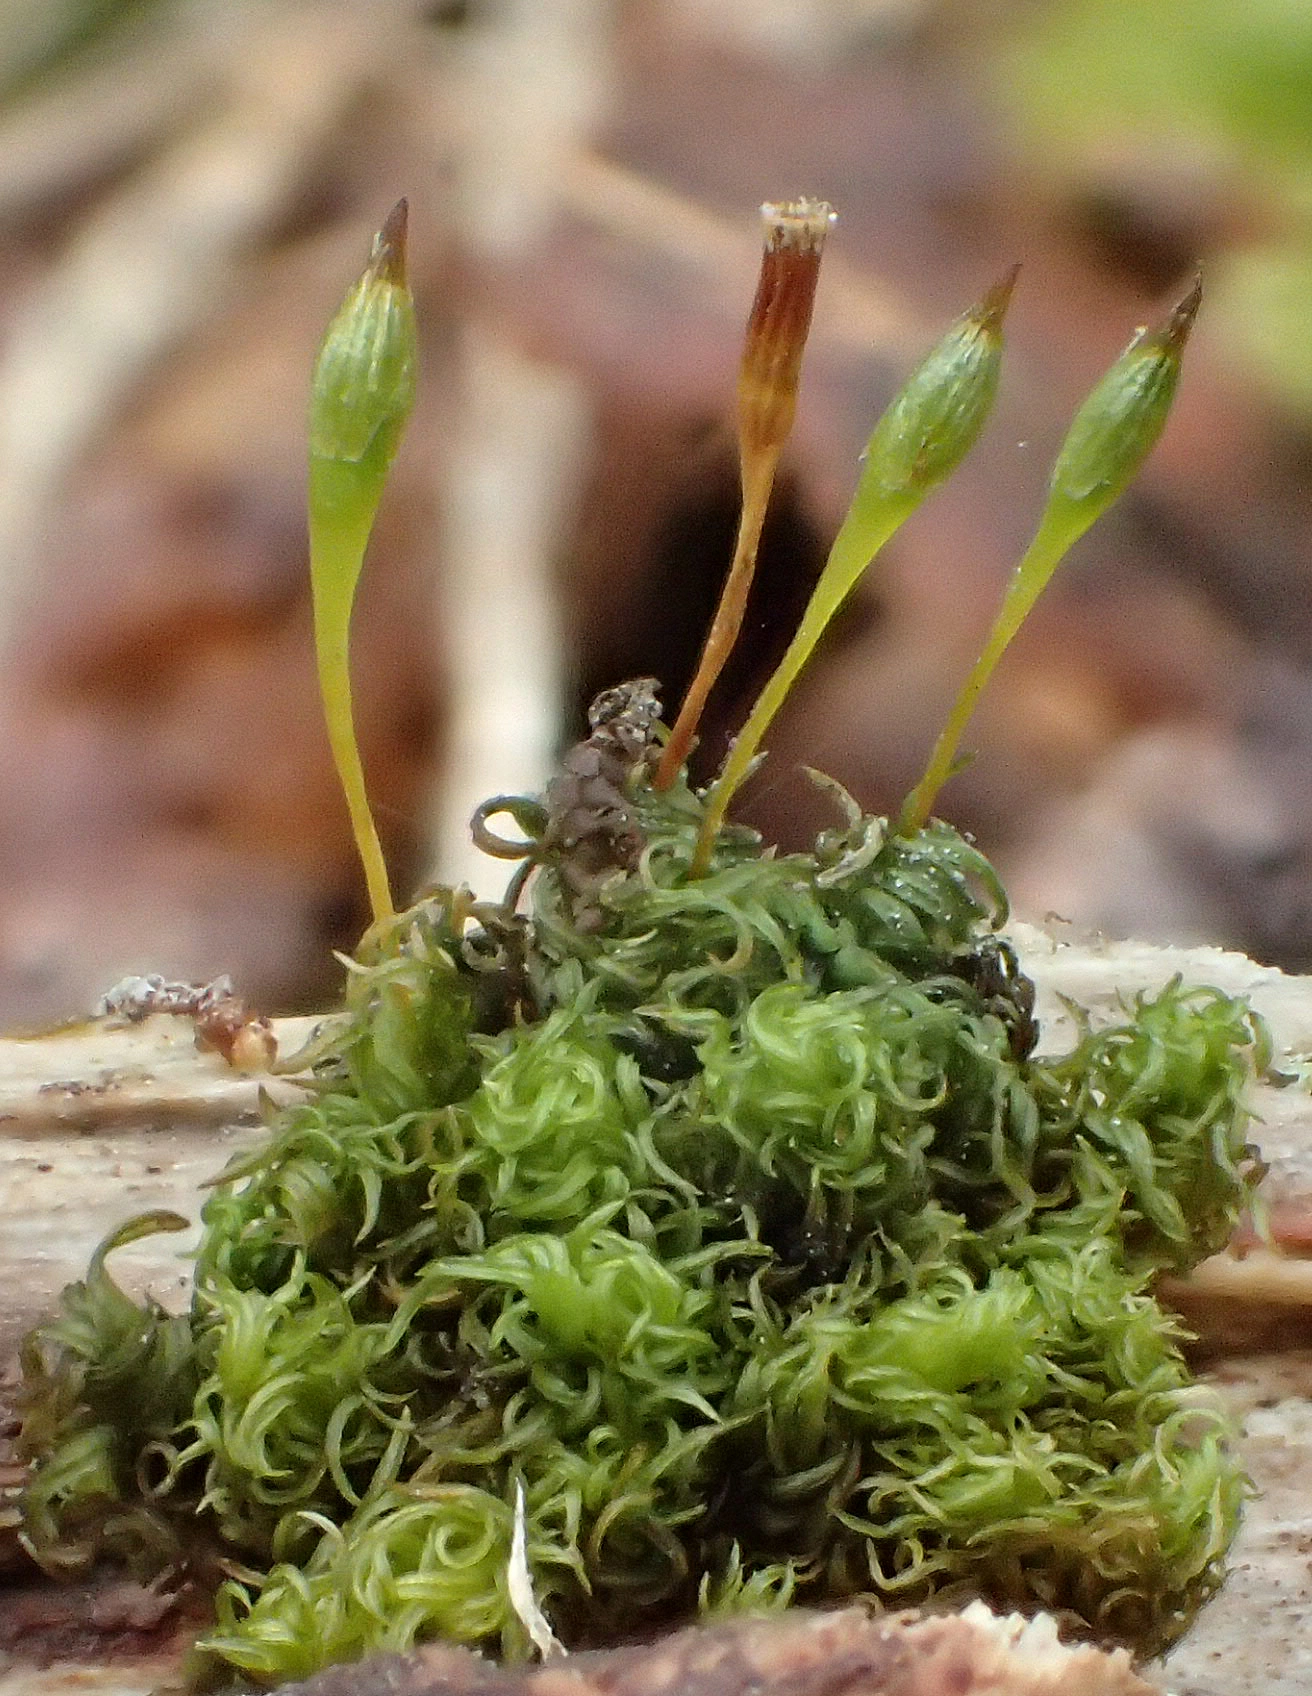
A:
[(1044, 554), (767, 401), (1110, 437), (853, 549), (337, 547)]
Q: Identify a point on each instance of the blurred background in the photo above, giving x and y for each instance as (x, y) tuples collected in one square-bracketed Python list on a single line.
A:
[(187, 187)]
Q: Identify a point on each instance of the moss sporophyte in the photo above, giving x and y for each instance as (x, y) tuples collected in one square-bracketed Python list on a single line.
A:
[(719, 1203), (361, 396)]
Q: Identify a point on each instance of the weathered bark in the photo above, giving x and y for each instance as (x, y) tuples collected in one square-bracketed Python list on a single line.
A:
[(803, 1654)]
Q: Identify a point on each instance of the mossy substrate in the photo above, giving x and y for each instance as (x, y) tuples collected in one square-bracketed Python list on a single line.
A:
[(735, 1220)]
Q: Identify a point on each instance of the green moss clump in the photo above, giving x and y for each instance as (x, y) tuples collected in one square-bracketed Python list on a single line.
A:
[(735, 1221)]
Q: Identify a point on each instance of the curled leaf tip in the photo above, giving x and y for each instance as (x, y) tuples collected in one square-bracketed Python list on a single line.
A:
[(387, 261)]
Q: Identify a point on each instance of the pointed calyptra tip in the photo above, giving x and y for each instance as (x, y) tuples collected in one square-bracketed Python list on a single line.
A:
[(387, 260), (1173, 333), (1167, 337), (993, 308)]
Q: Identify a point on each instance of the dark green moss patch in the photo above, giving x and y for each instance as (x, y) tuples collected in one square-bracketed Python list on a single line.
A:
[(735, 1220)]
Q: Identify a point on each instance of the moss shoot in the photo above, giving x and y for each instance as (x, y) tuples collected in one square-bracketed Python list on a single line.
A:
[(733, 1218)]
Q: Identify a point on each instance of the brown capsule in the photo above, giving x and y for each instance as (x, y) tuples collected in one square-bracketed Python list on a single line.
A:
[(780, 321), (777, 328)]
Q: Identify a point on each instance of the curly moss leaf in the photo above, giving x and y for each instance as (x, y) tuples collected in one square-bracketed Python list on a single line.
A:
[(867, 907), (917, 900), (553, 1124), (298, 1405), (1066, 1413), (610, 1516), (409, 1019), (865, 1106), (324, 1189), (104, 1383), (735, 1588), (66, 1503), (953, 1337), (412, 1563), (103, 1348), (600, 1323), (347, 1173), (1162, 1121)]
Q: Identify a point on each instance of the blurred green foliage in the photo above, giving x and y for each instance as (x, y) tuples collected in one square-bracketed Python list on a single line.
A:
[(41, 38), (1218, 91)]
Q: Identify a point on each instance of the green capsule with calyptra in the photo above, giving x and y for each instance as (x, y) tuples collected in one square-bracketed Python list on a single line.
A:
[(1110, 437), (1117, 427), (935, 419), (361, 396)]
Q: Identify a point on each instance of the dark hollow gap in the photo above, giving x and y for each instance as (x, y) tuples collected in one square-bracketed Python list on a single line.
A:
[(680, 569)]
